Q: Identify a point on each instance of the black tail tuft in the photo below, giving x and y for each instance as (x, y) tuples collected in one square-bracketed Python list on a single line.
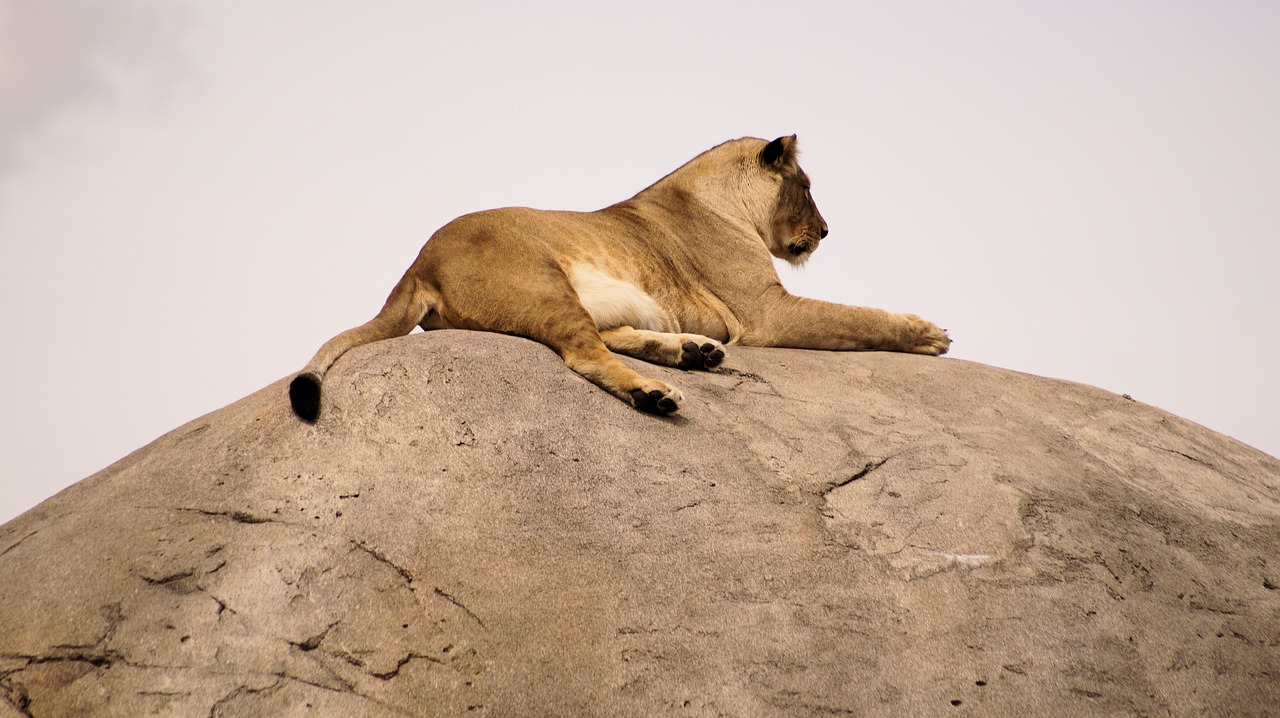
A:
[(304, 394)]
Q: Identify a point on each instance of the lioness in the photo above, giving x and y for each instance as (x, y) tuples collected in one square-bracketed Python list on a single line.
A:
[(669, 276)]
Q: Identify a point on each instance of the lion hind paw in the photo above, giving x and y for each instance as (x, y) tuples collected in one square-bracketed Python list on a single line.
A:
[(657, 401), (706, 355)]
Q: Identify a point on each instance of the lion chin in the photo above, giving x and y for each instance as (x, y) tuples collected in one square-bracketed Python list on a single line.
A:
[(800, 249)]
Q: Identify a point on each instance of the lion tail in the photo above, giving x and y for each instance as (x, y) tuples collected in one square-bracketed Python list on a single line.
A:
[(405, 308)]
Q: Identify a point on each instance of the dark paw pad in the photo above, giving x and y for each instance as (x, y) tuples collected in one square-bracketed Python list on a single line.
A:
[(706, 356), (653, 401), (713, 355)]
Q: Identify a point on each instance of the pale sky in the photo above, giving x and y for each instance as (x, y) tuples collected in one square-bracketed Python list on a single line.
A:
[(194, 197)]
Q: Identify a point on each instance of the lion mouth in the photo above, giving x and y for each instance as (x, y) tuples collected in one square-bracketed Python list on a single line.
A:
[(802, 244)]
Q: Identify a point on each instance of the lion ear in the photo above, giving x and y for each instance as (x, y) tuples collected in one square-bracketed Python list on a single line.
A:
[(778, 153)]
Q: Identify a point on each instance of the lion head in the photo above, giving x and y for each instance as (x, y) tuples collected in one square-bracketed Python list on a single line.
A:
[(797, 226)]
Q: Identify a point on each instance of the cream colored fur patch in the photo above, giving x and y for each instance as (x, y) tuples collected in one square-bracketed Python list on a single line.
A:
[(613, 302)]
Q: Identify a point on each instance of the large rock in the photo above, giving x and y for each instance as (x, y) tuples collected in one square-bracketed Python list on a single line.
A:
[(473, 529)]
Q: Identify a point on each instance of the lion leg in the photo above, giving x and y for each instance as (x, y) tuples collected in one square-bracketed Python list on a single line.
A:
[(589, 356), (800, 323), (551, 314), (577, 341), (683, 351)]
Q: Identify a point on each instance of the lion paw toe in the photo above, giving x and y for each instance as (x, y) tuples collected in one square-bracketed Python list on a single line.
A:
[(656, 401), (713, 354), (927, 337), (707, 355), (940, 345)]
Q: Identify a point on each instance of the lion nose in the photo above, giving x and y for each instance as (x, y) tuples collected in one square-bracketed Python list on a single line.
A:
[(822, 233)]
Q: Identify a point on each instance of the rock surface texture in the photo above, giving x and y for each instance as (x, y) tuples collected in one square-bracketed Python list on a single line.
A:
[(472, 529)]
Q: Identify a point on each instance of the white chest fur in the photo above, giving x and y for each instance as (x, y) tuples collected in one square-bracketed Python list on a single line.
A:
[(613, 302)]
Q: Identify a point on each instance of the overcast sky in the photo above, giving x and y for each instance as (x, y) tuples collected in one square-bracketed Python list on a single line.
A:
[(194, 197)]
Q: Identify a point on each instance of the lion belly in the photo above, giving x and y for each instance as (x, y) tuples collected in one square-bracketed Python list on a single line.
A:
[(614, 302)]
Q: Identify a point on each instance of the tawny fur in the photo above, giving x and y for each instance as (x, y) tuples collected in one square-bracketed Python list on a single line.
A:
[(669, 276)]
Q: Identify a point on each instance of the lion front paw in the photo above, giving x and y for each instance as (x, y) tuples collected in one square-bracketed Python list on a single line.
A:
[(924, 337), (707, 355)]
